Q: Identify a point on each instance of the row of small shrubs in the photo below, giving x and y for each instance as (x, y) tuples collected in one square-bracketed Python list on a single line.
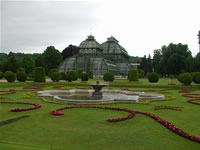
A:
[(187, 78)]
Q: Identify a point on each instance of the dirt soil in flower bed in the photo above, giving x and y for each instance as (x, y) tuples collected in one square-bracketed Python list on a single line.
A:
[(13, 120)]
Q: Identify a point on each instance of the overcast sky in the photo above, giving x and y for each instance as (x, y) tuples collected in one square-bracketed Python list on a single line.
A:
[(140, 26)]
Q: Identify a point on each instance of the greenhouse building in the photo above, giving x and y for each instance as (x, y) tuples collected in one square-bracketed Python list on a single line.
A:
[(99, 58)]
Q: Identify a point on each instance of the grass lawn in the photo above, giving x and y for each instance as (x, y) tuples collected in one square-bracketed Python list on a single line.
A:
[(87, 128)]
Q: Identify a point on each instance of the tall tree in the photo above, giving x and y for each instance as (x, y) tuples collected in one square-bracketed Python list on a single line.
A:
[(157, 61), (199, 39), (149, 64), (39, 61), (175, 58), (52, 58), (69, 51), (143, 65), (11, 64), (28, 64)]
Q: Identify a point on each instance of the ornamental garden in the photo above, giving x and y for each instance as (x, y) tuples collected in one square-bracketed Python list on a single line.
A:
[(31, 122)]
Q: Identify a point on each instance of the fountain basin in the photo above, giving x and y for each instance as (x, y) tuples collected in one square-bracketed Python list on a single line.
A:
[(85, 96)]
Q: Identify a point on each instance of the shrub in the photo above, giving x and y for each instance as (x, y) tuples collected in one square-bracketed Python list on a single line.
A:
[(56, 76), (141, 74), (90, 74), (31, 75), (68, 77), (153, 77), (39, 74), (80, 72), (1, 75), (108, 76), (9, 76), (52, 71), (21, 76), (73, 75), (171, 76), (196, 77), (21, 70), (84, 77), (185, 78), (64, 76), (133, 75)]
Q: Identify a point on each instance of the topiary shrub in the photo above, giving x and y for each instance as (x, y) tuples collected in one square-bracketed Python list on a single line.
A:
[(1, 75), (31, 76), (80, 72), (51, 72), (68, 77), (39, 74), (141, 74), (73, 75), (21, 76), (90, 74), (185, 78), (153, 77), (56, 76), (108, 76), (9, 76), (196, 78), (84, 77), (133, 75), (64, 76)]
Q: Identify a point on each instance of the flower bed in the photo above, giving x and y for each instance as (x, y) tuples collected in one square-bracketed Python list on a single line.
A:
[(77, 87), (167, 107), (132, 113), (23, 109), (186, 90), (11, 91), (191, 101), (189, 95), (58, 86)]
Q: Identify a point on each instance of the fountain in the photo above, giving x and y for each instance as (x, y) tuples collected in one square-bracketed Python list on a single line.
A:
[(97, 95), (97, 90)]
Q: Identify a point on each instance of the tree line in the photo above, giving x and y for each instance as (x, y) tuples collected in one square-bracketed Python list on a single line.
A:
[(173, 59)]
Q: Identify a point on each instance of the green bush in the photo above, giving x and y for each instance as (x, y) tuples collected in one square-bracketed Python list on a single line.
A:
[(73, 75), (1, 75), (68, 77), (133, 75), (185, 78), (51, 72), (84, 77), (108, 76), (141, 74), (196, 78), (153, 77), (90, 74), (39, 74), (31, 75), (21, 76), (80, 72), (56, 76), (64, 76), (9, 76), (21, 70)]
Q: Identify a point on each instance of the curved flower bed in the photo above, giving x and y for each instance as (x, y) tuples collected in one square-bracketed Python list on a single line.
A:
[(77, 87), (132, 113), (23, 109), (11, 91), (186, 90), (191, 101), (58, 86), (189, 95)]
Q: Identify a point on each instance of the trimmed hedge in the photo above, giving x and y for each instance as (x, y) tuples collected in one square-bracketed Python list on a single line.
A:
[(133, 75), (185, 78), (72, 75), (84, 77), (10, 76), (52, 71), (196, 78), (1, 75), (80, 72), (90, 74), (56, 76), (21, 76), (39, 75), (108, 76), (153, 77)]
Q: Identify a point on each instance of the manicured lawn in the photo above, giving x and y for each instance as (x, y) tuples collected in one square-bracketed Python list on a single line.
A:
[(87, 128)]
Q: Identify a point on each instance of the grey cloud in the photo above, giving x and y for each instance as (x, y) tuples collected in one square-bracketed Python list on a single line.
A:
[(32, 24)]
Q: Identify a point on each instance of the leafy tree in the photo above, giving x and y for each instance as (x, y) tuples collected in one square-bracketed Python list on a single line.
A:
[(39, 61), (143, 65), (157, 60), (28, 64), (52, 58), (149, 64), (39, 75), (69, 51), (11, 64)]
